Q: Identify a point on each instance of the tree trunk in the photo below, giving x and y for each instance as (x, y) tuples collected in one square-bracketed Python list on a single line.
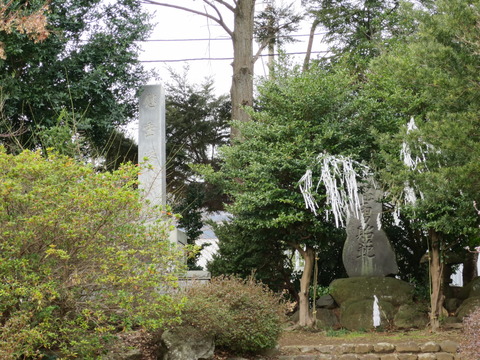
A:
[(470, 267), (271, 43), (305, 316), (306, 61), (242, 81), (271, 58), (436, 278)]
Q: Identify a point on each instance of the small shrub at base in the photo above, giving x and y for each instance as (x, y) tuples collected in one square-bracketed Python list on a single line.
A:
[(243, 315)]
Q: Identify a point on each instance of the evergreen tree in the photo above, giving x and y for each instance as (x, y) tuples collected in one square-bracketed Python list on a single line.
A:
[(301, 115), (88, 66), (197, 124), (359, 30), (432, 80)]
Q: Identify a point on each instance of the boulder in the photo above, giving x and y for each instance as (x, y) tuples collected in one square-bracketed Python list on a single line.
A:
[(295, 317), (358, 315), (394, 291), (326, 319), (452, 304), (326, 302), (468, 306), (410, 316), (472, 289), (186, 343)]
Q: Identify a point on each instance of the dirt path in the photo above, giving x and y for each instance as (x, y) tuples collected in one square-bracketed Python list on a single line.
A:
[(302, 337)]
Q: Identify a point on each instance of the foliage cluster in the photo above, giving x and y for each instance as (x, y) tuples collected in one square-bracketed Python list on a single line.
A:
[(21, 19), (79, 260), (470, 346), (88, 64), (299, 117), (245, 253), (197, 125), (243, 315)]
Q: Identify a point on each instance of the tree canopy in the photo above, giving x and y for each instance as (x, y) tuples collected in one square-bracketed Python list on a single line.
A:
[(422, 101), (357, 31)]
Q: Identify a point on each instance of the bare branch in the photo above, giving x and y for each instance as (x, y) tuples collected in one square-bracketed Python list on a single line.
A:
[(262, 47), (219, 20), (220, 17), (21, 130), (221, 2), (214, 8)]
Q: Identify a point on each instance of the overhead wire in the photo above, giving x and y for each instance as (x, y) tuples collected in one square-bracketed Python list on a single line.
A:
[(226, 58), (215, 39)]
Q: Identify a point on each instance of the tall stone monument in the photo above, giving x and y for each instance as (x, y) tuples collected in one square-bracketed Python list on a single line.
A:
[(151, 146), (367, 250)]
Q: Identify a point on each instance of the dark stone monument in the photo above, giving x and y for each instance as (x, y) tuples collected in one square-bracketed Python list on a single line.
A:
[(367, 250)]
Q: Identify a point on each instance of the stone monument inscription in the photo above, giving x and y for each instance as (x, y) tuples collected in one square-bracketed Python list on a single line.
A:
[(151, 143), (367, 250), (151, 146)]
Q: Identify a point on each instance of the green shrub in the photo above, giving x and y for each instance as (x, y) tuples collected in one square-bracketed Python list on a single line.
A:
[(321, 291), (78, 261), (470, 346), (243, 315)]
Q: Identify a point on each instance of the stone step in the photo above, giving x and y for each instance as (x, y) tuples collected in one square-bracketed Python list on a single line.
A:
[(406, 356), (442, 350)]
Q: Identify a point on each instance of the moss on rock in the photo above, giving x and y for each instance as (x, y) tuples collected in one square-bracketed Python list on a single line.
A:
[(411, 316), (394, 291), (472, 289), (358, 315), (468, 306)]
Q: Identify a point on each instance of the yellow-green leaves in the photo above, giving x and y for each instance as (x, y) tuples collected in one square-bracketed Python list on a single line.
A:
[(77, 258)]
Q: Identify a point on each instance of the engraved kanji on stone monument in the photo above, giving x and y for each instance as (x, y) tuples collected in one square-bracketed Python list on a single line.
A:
[(151, 143), (367, 250)]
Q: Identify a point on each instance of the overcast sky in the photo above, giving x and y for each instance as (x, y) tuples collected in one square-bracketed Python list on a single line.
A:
[(175, 25)]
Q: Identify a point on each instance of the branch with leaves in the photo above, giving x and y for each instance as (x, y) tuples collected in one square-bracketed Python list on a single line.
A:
[(33, 24)]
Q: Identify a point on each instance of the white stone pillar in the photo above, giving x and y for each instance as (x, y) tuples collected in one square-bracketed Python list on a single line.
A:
[(151, 144)]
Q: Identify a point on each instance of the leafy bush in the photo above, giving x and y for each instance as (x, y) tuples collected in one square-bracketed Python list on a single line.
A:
[(243, 315), (78, 260), (470, 346)]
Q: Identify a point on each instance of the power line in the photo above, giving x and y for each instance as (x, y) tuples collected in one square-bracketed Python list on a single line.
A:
[(215, 39), (179, 40), (224, 59)]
